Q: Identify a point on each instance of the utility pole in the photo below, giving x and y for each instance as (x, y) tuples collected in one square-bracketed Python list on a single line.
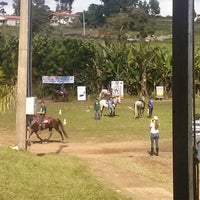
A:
[(23, 65), (84, 22)]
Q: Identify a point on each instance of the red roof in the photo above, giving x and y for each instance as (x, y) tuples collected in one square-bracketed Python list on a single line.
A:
[(64, 13), (10, 17)]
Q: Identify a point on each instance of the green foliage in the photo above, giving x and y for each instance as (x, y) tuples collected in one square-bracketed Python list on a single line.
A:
[(94, 17), (7, 98), (154, 7), (133, 20), (40, 16), (27, 176), (64, 5), (8, 59)]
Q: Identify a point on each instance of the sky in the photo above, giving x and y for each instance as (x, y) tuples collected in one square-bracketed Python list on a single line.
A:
[(80, 5)]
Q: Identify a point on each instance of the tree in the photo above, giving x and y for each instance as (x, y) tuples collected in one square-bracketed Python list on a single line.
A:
[(16, 7), (94, 17), (154, 7), (115, 6), (134, 19), (64, 5), (2, 4), (40, 13), (144, 6)]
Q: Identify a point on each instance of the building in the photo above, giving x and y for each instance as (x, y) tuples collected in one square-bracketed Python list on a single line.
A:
[(63, 18), (9, 20)]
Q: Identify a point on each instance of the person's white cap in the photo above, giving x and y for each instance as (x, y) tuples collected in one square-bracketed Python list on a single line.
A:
[(155, 118)]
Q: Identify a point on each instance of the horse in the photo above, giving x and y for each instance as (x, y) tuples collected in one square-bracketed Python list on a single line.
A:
[(63, 94), (48, 123), (139, 107), (104, 94), (104, 103)]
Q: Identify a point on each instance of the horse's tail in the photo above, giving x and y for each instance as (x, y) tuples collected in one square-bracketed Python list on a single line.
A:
[(62, 127), (135, 109)]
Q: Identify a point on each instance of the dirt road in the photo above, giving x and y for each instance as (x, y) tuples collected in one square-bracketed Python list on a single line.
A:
[(126, 167)]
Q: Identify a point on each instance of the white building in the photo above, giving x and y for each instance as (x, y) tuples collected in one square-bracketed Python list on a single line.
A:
[(9, 20), (64, 18)]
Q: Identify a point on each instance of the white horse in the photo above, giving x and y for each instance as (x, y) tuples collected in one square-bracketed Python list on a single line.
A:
[(104, 94), (139, 109), (104, 103)]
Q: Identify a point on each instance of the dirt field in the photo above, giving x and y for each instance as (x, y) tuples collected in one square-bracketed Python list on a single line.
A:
[(124, 166)]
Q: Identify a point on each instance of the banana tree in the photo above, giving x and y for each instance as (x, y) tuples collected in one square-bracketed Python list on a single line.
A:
[(140, 62)]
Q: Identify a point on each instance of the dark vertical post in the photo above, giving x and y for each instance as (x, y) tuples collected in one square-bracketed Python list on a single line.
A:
[(182, 99), (29, 52)]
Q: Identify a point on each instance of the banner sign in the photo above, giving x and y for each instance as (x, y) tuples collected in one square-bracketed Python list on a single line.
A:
[(58, 79), (81, 93), (117, 88)]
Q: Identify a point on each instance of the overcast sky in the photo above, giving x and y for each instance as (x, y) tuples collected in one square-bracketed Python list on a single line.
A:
[(80, 5)]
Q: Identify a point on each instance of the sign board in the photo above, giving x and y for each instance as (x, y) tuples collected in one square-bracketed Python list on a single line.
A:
[(159, 92), (117, 88), (58, 79), (81, 93), (31, 105)]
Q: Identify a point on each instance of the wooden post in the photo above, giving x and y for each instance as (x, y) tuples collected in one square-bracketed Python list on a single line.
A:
[(183, 44), (23, 63)]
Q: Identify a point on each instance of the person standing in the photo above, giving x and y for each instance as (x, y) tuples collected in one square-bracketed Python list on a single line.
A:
[(42, 113), (154, 135), (150, 107), (96, 109), (111, 107)]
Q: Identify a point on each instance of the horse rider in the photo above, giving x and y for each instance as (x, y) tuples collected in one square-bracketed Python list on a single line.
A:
[(111, 105), (142, 100), (62, 87), (42, 113)]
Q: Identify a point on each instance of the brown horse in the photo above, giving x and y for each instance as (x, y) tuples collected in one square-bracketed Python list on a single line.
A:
[(48, 123), (61, 94)]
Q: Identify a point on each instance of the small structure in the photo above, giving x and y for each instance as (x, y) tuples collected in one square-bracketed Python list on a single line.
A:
[(9, 20), (64, 18), (197, 18)]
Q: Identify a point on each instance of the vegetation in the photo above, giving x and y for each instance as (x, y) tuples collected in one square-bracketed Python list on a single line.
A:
[(58, 176), (95, 62), (27, 176)]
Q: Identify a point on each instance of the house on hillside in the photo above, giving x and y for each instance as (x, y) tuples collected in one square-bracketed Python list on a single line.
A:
[(63, 18), (9, 20)]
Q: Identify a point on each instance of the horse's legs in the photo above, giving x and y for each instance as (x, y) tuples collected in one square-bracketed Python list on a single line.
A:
[(50, 133), (101, 110), (38, 136), (59, 131)]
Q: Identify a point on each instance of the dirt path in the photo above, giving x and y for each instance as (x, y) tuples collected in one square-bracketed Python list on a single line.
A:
[(116, 164), (124, 166)]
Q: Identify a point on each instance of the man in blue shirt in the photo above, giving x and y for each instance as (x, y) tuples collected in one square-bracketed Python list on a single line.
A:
[(150, 106)]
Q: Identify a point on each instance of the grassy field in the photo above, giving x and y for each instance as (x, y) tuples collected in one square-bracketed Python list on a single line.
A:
[(28, 176), (82, 126)]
